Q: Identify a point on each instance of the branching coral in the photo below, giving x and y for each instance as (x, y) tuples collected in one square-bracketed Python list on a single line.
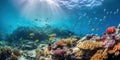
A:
[(89, 44), (115, 49), (99, 55)]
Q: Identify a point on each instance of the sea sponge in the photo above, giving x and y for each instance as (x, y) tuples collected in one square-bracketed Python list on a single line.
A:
[(99, 55), (89, 44)]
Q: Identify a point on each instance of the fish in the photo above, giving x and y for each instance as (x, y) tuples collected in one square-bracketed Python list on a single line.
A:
[(117, 10), (31, 35), (107, 12), (104, 17), (104, 10), (96, 18), (115, 13), (51, 38), (110, 12), (52, 35), (36, 41), (93, 29)]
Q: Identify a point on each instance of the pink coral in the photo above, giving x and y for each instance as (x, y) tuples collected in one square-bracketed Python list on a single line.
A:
[(59, 52)]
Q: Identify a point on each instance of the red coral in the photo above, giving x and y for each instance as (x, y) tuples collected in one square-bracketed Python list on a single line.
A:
[(110, 30)]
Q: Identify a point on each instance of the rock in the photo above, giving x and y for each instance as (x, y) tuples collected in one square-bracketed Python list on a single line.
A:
[(29, 46)]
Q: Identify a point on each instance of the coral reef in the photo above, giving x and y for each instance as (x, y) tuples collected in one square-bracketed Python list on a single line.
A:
[(99, 55), (90, 47), (89, 44), (5, 52)]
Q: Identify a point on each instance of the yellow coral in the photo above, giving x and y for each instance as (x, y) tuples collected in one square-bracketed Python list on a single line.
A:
[(38, 53), (78, 54), (47, 52), (89, 44)]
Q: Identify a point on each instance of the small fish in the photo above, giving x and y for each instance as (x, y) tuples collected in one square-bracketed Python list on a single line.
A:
[(104, 10), (31, 35), (52, 35), (104, 17), (96, 18), (115, 13), (117, 10), (107, 12), (36, 41), (93, 29), (110, 12), (51, 38)]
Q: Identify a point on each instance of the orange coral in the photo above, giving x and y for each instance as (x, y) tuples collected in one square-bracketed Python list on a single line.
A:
[(99, 55), (78, 54), (61, 43), (115, 49)]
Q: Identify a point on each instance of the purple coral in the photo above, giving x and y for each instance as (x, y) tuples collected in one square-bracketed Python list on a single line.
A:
[(59, 52)]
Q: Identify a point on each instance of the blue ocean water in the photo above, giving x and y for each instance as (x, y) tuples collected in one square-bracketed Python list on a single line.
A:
[(79, 16)]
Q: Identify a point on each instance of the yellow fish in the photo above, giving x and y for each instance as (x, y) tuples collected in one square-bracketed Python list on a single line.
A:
[(52, 35), (36, 41), (51, 38), (31, 35)]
